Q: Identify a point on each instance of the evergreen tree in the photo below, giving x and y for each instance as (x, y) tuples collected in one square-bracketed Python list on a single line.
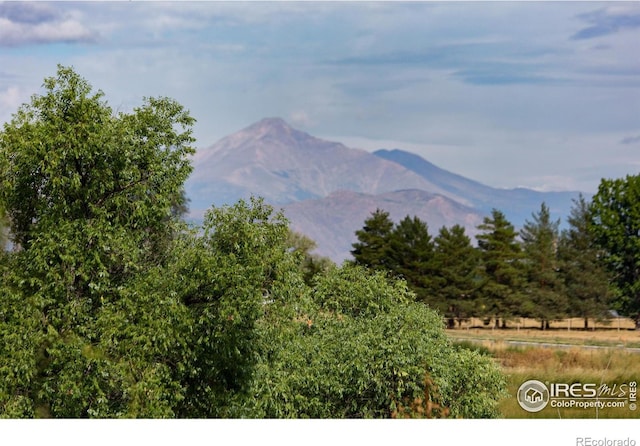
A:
[(502, 274), (456, 269), (411, 256), (585, 277), (372, 248), (545, 297)]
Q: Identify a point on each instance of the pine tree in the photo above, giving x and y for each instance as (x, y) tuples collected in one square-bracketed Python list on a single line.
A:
[(585, 277), (372, 248), (410, 256), (456, 269), (546, 299), (502, 274)]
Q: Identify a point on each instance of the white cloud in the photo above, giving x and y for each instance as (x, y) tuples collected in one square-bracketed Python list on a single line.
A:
[(14, 33), (300, 118), (10, 99)]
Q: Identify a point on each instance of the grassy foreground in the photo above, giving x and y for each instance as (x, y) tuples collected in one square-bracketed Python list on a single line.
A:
[(569, 361)]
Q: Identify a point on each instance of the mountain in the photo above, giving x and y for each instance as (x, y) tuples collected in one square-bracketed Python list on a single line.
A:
[(285, 165), (327, 190), (332, 221), (517, 204)]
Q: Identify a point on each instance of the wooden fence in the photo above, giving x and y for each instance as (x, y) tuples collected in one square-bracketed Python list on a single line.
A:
[(618, 323)]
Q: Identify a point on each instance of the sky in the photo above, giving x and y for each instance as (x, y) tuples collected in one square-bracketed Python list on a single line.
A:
[(544, 95)]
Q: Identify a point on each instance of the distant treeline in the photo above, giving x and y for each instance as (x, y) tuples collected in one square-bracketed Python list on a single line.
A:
[(540, 272)]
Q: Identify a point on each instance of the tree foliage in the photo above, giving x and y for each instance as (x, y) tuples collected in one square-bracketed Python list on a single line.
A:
[(224, 277), (364, 348), (615, 224), (66, 156)]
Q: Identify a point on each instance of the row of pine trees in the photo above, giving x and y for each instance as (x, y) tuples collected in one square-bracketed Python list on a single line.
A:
[(538, 272)]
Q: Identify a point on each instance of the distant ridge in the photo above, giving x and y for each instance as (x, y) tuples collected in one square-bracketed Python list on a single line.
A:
[(518, 204), (332, 221)]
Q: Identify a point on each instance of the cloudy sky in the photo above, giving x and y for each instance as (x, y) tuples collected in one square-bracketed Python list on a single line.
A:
[(538, 94)]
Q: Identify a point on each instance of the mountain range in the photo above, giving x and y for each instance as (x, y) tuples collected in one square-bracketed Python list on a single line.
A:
[(327, 189)]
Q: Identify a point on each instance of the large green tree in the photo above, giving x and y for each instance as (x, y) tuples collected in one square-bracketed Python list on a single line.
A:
[(90, 196), (545, 297), (615, 224), (586, 281), (227, 277), (500, 295)]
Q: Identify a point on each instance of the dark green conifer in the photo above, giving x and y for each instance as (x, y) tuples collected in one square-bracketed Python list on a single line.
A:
[(456, 279), (411, 256), (502, 274), (545, 296), (372, 248)]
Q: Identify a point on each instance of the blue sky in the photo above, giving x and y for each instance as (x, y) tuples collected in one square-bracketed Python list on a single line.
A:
[(544, 95)]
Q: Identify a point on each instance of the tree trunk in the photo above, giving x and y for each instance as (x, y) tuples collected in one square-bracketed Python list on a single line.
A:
[(586, 323)]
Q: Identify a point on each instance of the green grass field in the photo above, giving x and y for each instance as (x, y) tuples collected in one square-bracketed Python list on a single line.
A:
[(568, 362)]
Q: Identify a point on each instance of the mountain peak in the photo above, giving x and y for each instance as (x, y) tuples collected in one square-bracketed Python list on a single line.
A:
[(275, 130), (271, 126), (275, 121)]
